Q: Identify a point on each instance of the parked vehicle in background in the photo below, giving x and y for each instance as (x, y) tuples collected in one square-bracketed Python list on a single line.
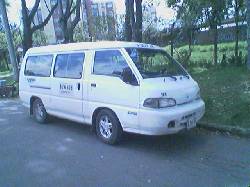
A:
[(114, 86)]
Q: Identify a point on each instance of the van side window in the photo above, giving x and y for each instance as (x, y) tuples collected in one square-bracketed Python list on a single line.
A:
[(39, 66), (109, 62), (69, 65)]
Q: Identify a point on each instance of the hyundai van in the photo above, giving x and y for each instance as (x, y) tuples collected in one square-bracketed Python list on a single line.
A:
[(115, 87)]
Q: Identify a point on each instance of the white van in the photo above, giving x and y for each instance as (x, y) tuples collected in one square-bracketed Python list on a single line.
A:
[(113, 86)]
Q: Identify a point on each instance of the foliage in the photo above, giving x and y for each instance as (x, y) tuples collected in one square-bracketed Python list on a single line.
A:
[(103, 28), (120, 31), (3, 42), (16, 34), (39, 38), (79, 36)]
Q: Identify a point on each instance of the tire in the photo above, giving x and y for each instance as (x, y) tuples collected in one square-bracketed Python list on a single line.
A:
[(39, 112), (108, 127)]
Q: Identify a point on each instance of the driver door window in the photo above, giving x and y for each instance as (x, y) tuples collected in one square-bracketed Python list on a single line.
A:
[(109, 62)]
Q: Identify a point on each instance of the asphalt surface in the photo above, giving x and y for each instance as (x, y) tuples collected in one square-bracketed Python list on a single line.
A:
[(64, 153)]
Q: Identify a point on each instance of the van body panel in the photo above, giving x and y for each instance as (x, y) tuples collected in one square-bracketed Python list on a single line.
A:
[(183, 90), (32, 86)]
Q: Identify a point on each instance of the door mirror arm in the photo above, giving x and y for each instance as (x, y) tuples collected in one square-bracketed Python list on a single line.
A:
[(128, 77)]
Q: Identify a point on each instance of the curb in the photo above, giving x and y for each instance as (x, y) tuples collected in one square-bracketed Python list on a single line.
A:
[(225, 129)]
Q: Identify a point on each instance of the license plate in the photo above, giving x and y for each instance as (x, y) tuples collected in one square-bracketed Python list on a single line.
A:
[(191, 122)]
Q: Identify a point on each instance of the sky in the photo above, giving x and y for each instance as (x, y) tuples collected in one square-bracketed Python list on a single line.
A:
[(162, 10)]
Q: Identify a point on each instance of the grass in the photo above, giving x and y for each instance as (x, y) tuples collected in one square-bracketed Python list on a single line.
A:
[(4, 73), (226, 92), (204, 53)]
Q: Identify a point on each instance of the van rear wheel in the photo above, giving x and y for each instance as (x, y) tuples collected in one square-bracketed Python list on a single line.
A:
[(39, 111), (108, 127)]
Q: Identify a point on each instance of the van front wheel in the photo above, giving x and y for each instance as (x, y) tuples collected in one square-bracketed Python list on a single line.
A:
[(39, 111), (108, 127)]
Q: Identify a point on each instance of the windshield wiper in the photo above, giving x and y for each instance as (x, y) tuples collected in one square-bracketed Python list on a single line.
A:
[(172, 77), (187, 76)]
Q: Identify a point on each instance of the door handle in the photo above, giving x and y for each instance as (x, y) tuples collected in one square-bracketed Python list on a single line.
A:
[(93, 85), (78, 86)]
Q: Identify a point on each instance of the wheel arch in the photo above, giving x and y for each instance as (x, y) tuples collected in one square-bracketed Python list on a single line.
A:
[(95, 113)]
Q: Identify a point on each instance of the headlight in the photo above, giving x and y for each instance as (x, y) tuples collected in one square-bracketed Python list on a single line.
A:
[(159, 102)]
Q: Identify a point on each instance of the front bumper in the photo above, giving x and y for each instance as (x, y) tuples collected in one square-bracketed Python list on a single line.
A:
[(156, 121)]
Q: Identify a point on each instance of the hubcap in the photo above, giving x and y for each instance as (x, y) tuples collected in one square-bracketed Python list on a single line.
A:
[(105, 127)]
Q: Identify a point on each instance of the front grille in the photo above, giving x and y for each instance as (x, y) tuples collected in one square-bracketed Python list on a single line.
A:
[(184, 103), (188, 116)]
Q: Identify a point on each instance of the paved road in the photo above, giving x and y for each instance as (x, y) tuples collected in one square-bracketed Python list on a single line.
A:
[(64, 153)]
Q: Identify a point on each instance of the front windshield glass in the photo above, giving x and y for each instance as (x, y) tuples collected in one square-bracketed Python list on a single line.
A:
[(153, 63)]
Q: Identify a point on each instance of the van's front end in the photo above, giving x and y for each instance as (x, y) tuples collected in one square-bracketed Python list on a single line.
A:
[(169, 98)]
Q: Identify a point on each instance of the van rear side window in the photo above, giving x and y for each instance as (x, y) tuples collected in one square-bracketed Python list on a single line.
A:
[(39, 66), (69, 65)]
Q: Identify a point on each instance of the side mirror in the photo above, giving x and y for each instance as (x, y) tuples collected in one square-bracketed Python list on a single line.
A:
[(128, 77)]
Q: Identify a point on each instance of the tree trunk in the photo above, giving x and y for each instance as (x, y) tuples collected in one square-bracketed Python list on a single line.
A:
[(172, 47), (11, 48), (132, 19), (128, 29), (172, 39), (27, 39), (7, 65), (236, 16), (190, 38), (248, 33), (215, 42), (190, 42), (138, 20), (89, 19), (65, 32), (71, 35)]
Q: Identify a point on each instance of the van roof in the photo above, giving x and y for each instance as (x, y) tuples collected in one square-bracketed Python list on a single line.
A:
[(87, 46)]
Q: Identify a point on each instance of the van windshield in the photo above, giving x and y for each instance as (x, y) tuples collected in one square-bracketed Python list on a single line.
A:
[(153, 63)]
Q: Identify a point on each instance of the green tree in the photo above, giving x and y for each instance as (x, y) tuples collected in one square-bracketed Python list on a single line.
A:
[(39, 38), (67, 9), (79, 36), (205, 13), (189, 16), (9, 39), (28, 26), (214, 12)]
